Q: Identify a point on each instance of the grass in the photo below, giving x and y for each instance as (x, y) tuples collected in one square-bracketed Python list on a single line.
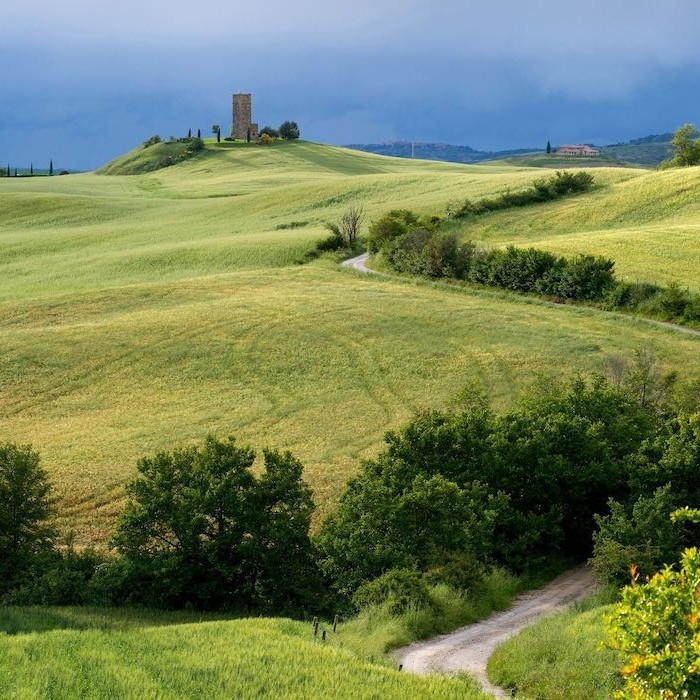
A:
[(560, 658), (376, 631), (648, 224), (68, 653), (140, 313)]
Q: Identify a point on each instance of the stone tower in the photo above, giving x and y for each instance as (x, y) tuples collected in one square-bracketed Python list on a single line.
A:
[(243, 126)]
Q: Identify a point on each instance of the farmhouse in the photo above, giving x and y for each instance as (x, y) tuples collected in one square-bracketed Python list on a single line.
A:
[(579, 149)]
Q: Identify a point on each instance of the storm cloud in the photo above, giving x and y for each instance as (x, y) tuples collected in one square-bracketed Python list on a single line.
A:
[(86, 80)]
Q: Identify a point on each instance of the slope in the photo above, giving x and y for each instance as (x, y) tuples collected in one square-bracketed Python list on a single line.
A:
[(139, 313)]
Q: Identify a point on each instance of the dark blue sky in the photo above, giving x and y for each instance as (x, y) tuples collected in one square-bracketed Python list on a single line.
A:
[(86, 80)]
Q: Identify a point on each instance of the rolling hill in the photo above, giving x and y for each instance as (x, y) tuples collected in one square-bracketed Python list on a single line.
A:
[(142, 312)]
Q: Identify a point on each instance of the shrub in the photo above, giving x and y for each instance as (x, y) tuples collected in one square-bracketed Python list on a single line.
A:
[(152, 141), (642, 535), (265, 139), (393, 224), (545, 189), (399, 589), (25, 507), (655, 626)]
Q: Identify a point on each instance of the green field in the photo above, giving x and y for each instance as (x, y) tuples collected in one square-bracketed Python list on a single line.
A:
[(648, 224), (140, 313), (69, 653)]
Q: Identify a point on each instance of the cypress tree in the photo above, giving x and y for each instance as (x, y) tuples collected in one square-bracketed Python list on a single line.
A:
[(549, 147), (199, 133), (31, 168), (189, 133), (8, 170), (51, 167)]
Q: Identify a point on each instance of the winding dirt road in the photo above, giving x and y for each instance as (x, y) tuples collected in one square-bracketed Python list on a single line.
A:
[(468, 649), (360, 263)]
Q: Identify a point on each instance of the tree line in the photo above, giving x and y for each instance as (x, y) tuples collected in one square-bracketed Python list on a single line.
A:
[(586, 468)]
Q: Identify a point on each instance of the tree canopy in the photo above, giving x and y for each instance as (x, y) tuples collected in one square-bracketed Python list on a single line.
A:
[(200, 528), (289, 131)]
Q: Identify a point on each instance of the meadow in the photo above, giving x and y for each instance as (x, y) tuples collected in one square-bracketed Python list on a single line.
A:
[(72, 653), (139, 313), (649, 225)]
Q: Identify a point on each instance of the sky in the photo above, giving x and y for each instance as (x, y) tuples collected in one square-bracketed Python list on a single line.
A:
[(86, 80)]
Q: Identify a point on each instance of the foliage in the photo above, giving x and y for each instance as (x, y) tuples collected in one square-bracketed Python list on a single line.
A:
[(433, 254), (393, 224), (394, 518), (201, 529), (399, 589), (514, 488), (265, 139), (685, 145), (561, 184), (642, 535), (289, 131), (655, 627), (272, 133), (25, 508)]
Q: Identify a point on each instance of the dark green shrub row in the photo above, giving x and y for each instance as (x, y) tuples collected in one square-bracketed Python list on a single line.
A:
[(559, 185), (440, 254), (671, 303)]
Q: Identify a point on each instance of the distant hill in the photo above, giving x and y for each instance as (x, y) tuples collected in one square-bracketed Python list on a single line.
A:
[(436, 151), (647, 151)]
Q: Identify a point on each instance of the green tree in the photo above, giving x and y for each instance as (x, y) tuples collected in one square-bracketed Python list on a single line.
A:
[(549, 147), (50, 167), (686, 146), (201, 529), (25, 508), (289, 131), (656, 627), (643, 535), (272, 133)]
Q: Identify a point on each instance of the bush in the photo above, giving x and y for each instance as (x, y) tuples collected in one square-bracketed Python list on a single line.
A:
[(289, 131), (643, 536), (543, 190), (655, 626), (434, 254), (392, 225), (582, 278), (399, 589), (26, 534), (265, 139), (152, 141)]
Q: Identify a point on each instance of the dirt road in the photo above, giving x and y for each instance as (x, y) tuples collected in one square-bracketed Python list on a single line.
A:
[(360, 263), (468, 649)]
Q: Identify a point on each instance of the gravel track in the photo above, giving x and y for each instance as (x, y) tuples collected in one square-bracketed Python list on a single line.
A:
[(468, 649)]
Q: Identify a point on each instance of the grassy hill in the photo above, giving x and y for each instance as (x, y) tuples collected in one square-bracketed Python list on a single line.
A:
[(649, 225), (142, 312), (73, 653)]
